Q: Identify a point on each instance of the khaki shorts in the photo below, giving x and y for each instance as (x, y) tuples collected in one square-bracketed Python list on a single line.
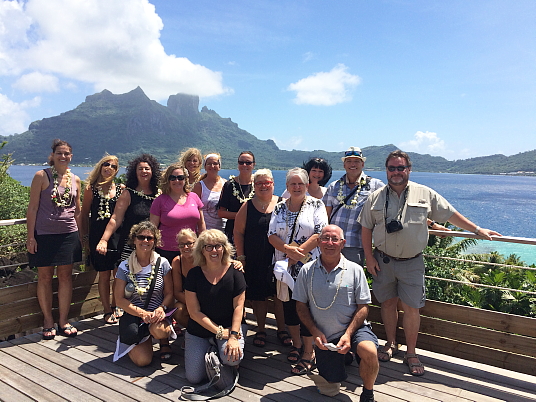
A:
[(403, 279)]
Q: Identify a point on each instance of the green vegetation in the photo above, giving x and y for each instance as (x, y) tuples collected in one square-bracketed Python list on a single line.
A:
[(479, 271), (13, 204)]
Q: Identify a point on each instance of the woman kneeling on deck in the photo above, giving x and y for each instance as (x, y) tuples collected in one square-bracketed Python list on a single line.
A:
[(215, 295), (143, 289)]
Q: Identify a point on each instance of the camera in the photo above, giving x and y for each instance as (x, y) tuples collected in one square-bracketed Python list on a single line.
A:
[(129, 290), (394, 226)]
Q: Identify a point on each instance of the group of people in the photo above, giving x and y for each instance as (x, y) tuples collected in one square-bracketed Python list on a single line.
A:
[(192, 248)]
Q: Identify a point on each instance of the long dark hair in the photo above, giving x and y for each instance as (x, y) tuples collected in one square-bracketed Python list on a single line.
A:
[(132, 178), (55, 144)]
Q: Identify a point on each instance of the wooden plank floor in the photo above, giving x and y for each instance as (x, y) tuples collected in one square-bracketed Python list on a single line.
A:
[(81, 369)]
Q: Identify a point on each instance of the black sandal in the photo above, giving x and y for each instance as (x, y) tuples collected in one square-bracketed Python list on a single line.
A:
[(260, 339), (111, 320), (295, 354), (49, 337), (284, 338), (165, 356), (70, 328), (304, 366), (118, 312)]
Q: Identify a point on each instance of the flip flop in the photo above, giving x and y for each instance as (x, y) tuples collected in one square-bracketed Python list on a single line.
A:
[(260, 339), (72, 331)]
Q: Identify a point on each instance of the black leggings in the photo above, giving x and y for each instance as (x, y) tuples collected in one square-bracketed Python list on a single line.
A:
[(291, 316)]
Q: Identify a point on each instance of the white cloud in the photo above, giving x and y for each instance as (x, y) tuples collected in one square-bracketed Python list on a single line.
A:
[(110, 44), (37, 82), (325, 88), (308, 56), (289, 143), (13, 116), (425, 142)]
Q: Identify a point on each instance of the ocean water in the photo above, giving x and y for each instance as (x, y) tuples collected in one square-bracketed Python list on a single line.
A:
[(502, 203)]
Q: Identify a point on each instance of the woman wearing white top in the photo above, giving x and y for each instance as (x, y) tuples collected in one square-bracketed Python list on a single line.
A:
[(208, 188)]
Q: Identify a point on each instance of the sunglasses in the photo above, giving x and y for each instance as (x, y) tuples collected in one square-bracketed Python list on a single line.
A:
[(353, 153), (179, 177), (146, 238), (106, 164), (210, 247), (399, 168), (245, 163)]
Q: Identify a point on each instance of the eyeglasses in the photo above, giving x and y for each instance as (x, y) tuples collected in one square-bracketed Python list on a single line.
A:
[(146, 238), (106, 164), (399, 168), (245, 163), (210, 247), (327, 239), (353, 153), (264, 183), (179, 177), (188, 244)]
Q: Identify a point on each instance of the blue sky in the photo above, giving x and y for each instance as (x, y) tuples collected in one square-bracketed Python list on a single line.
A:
[(449, 78)]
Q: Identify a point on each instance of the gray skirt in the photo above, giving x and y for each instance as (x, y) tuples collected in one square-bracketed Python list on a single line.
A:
[(56, 249)]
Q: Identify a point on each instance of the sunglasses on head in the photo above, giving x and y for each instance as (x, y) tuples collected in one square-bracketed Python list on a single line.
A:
[(142, 238), (179, 177), (245, 163), (353, 153), (399, 168), (106, 164)]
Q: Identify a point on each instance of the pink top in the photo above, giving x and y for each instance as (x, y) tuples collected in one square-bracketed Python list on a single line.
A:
[(174, 217), (52, 219)]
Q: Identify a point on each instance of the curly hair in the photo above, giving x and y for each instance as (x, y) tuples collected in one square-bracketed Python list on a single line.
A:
[(132, 177), (140, 227), (214, 236), (55, 144), (164, 182), (95, 178), (319, 163)]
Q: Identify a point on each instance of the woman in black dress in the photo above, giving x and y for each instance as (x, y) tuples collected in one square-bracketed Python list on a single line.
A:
[(256, 254), (237, 191), (100, 197)]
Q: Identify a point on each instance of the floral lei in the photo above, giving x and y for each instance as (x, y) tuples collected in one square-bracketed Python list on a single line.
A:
[(142, 195), (65, 199), (141, 290), (238, 191), (104, 204), (353, 202)]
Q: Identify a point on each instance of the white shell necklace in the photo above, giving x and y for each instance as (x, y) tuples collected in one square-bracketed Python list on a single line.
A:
[(338, 286)]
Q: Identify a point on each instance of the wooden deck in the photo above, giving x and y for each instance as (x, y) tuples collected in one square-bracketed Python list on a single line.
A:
[(81, 369)]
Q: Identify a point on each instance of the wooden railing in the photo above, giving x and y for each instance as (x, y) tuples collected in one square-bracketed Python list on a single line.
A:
[(494, 338)]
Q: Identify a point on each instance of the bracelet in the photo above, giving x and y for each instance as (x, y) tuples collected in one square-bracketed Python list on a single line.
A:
[(219, 334), (477, 229), (241, 257), (236, 334), (431, 225)]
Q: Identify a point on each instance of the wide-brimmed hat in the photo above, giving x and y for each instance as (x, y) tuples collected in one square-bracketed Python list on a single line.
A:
[(353, 152)]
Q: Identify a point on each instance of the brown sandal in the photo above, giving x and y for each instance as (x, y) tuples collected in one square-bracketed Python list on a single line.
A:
[(413, 366), (388, 350)]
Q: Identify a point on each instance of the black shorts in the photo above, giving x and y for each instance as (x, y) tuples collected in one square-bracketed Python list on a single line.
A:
[(56, 249)]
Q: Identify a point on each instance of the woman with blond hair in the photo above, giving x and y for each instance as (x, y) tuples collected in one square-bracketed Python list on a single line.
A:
[(176, 208), (191, 159), (208, 188), (215, 295), (100, 197)]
